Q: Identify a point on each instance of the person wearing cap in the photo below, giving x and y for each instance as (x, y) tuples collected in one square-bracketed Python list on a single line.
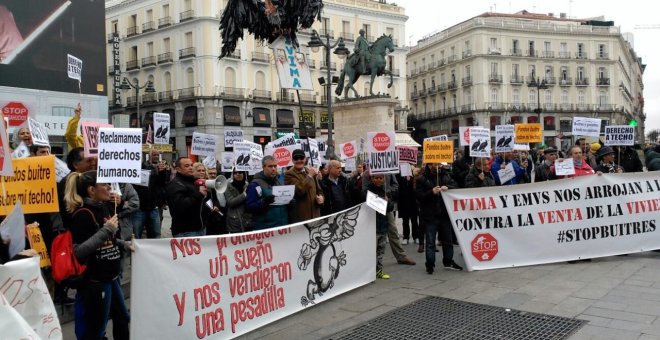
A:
[(308, 195), (606, 164), (590, 156), (543, 172)]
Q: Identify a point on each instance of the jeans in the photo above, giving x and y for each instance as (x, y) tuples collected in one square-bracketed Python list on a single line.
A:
[(381, 239), (407, 219), (191, 233), (442, 227), (149, 219), (96, 303)]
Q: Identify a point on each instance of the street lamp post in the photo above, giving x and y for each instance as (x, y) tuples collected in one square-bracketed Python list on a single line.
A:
[(341, 51), (540, 85), (148, 88)]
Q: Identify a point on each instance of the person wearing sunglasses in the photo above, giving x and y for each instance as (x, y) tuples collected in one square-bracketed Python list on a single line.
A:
[(308, 195)]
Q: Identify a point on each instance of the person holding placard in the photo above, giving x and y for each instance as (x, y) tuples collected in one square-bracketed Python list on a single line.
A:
[(185, 201), (376, 186), (71, 134), (479, 176), (579, 163), (95, 234), (500, 163), (543, 172), (260, 197), (308, 195)]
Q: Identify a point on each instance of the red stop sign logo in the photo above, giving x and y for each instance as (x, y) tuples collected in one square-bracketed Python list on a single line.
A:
[(349, 150), (484, 247), (283, 156), (16, 112), (381, 141)]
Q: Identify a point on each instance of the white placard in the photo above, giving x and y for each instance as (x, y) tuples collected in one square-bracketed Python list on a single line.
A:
[(248, 157), (521, 147), (338, 248), (116, 189), (479, 142), (39, 133), (74, 67), (314, 153), (233, 136), (291, 64), (405, 170), (61, 169), (203, 144), (12, 229), (381, 141), (144, 178), (586, 126), (286, 140), (506, 174), (504, 138), (348, 150), (283, 194), (227, 161), (564, 167), (361, 146), (161, 128), (350, 164), (376, 203), (619, 135), (120, 155), (22, 151), (384, 162), (209, 162), (440, 138)]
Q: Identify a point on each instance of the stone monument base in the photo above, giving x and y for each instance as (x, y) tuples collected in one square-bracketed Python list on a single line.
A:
[(354, 118)]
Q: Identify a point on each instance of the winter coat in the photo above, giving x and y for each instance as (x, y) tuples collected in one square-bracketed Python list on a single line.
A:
[(305, 206), (265, 216), (406, 204), (432, 206), (238, 218), (332, 203), (472, 179), (153, 195), (185, 202), (519, 171), (382, 224)]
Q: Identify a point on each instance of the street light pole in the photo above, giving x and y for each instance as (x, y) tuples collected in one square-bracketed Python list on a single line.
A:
[(540, 85), (148, 88)]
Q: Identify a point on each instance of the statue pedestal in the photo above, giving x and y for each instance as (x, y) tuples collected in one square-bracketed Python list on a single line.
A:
[(354, 118)]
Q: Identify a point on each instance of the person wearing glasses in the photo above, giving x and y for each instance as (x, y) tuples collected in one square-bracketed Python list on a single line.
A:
[(308, 195)]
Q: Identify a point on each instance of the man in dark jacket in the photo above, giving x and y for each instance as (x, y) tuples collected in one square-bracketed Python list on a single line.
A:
[(148, 215), (185, 201), (434, 215), (629, 161), (335, 190), (543, 172), (260, 197)]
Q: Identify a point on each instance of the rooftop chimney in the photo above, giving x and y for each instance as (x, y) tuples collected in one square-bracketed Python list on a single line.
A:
[(562, 15)]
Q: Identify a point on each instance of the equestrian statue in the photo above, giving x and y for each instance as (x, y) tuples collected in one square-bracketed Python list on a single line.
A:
[(366, 60)]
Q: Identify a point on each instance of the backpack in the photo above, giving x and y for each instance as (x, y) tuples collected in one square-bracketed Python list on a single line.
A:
[(65, 267)]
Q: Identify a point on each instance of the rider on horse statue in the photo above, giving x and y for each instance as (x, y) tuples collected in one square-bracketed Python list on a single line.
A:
[(362, 51)]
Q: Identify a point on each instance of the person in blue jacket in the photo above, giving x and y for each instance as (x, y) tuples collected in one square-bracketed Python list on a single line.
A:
[(500, 162), (260, 198)]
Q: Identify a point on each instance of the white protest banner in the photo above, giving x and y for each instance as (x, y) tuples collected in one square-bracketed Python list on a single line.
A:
[(162, 128), (504, 137), (376, 203), (407, 154), (12, 229), (22, 151), (203, 144), (348, 149), (120, 155), (406, 170), (227, 161), (233, 136), (479, 142), (90, 133), (286, 140), (248, 156), (381, 141), (619, 135), (350, 164), (61, 169), (314, 153), (6, 168), (24, 289), (209, 162), (556, 221), (74, 67), (292, 68), (440, 138), (282, 154), (283, 194), (386, 162), (294, 265), (39, 133), (565, 167), (586, 126), (13, 325), (521, 147)]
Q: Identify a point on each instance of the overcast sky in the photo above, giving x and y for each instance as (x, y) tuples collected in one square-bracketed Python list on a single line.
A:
[(426, 17)]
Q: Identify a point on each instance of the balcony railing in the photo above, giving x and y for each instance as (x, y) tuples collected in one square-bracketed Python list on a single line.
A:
[(234, 55), (333, 65), (187, 52), (566, 81), (583, 107), (148, 61), (166, 96), (148, 26), (550, 80), (581, 55), (452, 85), (149, 97), (110, 37), (602, 56), (564, 55), (323, 33), (582, 82), (165, 58), (233, 92), (308, 98), (516, 52), (396, 72), (131, 31), (496, 106), (467, 53), (451, 58), (130, 101), (547, 54), (132, 65), (414, 94), (602, 81), (259, 56), (186, 15), (565, 107), (187, 92), (347, 36), (532, 53), (467, 81), (442, 87), (261, 94), (495, 78), (165, 21), (517, 79), (285, 97)]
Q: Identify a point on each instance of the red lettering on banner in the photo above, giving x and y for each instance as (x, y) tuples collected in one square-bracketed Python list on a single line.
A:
[(207, 295), (271, 299), (476, 203), (236, 240), (210, 323), (187, 246), (255, 256), (12, 289), (180, 305), (638, 207), (284, 231), (557, 216)]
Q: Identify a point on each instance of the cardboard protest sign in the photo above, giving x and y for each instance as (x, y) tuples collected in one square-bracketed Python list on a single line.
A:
[(120, 155), (438, 152), (565, 167), (286, 140), (38, 243), (203, 144), (233, 136), (161, 128), (33, 184), (90, 133), (227, 161), (209, 162), (586, 126), (292, 68), (619, 135), (22, 151), (248, 157), (314, 153), (528, 133), (61, 169), (282, 154), (385, 162), (479, 142), (74, 67), (441, 138), (504, 138), (39, 133), (348, 149), (350, 164), (407, 154), (12, 229), (381, 141)]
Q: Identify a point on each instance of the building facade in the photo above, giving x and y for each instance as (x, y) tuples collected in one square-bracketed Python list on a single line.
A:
[(500, 68), (176, 44)]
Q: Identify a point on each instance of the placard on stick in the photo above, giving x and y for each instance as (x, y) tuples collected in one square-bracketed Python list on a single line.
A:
[(120, 155)]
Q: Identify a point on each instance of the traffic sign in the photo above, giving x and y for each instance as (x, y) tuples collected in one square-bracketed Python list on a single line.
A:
[(16, 112)]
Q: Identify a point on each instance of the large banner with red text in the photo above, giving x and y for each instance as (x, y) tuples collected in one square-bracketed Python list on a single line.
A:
[(568, 219), (221, 287)]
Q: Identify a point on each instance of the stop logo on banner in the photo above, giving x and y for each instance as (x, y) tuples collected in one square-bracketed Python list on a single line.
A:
[(381, 141), (484, 247), (16, 112), (283, 156), (349, 150)]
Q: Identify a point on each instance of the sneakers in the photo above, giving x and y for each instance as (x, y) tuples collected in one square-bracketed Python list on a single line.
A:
[(429, 268), (407, 260), (405, 242), (453, 266), (381, 275)]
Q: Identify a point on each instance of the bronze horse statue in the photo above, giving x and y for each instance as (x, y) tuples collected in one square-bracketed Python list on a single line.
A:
[(375, 66)]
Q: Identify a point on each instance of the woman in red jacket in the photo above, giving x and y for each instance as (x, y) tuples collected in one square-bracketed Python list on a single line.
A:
[(580, 165)]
